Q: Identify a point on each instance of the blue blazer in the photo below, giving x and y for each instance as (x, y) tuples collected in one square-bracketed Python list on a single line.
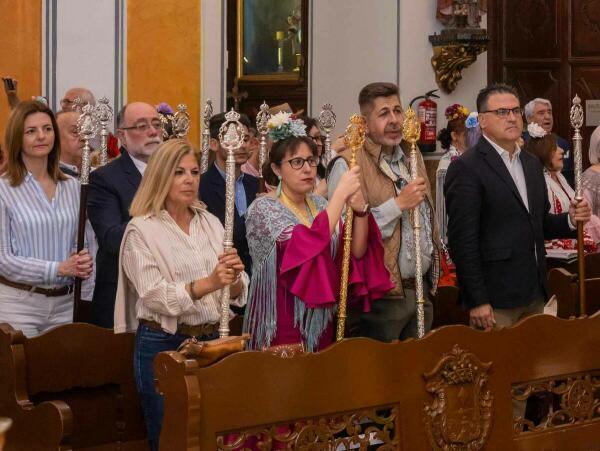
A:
[(212, 193), (111, 191)]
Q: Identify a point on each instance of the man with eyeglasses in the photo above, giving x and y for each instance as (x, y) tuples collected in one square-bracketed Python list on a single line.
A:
[(212, 185), (394, 197), (498, 218), (112, 188)]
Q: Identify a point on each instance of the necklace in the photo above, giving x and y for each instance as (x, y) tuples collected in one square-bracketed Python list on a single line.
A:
[(309, 214)]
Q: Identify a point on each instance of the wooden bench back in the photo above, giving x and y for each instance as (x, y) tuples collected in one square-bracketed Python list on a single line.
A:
[(71, 386), (564, 285), (453, 386)]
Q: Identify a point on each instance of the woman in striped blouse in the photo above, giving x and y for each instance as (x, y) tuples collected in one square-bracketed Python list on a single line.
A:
[(39, 215), (172, 269)]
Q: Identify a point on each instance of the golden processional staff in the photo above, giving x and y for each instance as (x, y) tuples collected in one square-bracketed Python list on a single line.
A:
[(577, 123), (327, 124), (231, 136), (208, 112), (87, 126), (181, 121), (354, 139), (104, 115), (262, 126), (411, 133)]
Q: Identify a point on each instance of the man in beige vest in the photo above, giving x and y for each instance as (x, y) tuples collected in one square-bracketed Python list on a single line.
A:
[(392, 196)]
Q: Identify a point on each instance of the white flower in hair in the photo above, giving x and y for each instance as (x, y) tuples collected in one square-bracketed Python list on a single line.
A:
[(279, 119), (536, 131)]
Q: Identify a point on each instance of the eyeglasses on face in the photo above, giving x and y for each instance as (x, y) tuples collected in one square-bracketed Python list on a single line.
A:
[(504, 112), (298, 163), (318, 139), (144, 126)]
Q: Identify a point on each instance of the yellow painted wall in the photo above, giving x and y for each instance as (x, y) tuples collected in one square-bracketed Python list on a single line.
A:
[(20, 50), (163, 55)]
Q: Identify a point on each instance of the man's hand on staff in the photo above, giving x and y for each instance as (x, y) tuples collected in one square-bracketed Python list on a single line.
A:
[(412, 194), (482, 317), (580, 211)]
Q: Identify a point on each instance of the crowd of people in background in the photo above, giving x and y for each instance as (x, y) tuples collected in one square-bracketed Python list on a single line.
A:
[(154, 262)]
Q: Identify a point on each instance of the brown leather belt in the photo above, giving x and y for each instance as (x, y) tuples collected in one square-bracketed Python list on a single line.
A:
[(50, 292), (200, 330)]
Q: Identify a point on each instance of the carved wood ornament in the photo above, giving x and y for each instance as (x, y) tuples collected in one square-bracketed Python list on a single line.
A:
[(460, 416)]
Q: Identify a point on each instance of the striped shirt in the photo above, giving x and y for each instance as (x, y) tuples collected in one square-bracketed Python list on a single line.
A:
[(37, 234), (193, 258)]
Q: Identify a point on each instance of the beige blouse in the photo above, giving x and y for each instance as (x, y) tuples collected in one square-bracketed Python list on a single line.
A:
[(192, 256)]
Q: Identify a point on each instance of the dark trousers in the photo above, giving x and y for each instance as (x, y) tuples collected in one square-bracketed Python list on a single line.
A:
[(148, 343), (390, 319)]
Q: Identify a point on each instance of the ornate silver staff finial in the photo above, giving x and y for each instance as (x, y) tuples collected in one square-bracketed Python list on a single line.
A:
[(231, 136), (77, 105), (262, 120), (577, 122), (104, 114), (181, 124), (327, 124), (208, 112), (87, 126)]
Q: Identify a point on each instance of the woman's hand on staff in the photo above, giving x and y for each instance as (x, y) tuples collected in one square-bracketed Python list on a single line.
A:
[(349, 184), (77, 265), (227, 270)]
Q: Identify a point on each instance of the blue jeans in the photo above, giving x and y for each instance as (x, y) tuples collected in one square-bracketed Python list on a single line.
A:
[(148, 343)]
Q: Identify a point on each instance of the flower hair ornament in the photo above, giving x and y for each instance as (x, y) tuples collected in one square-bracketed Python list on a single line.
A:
[(284, 125), (472, 120), (535, 131), (456, 111)]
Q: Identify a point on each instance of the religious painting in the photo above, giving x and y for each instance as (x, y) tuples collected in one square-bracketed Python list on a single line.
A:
[(269, 39)]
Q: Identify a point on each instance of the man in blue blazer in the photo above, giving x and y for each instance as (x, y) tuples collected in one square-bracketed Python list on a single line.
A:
[(498, 218), (212, 186), (111, 191)]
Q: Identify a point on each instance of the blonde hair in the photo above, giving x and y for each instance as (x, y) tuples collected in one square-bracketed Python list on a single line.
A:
[(158, 178), (594, 150)]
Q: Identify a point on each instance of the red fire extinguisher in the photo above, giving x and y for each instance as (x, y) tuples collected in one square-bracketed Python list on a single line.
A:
[(427, 113)]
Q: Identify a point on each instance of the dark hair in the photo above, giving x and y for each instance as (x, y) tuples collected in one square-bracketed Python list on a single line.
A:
[(309, 122), (543, 148), (13, 138), (373, 90), (121, 116), (494, 88), (219, 119), (445, 134)]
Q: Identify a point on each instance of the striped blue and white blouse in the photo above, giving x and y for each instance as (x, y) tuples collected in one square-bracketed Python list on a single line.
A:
[(37, 234)]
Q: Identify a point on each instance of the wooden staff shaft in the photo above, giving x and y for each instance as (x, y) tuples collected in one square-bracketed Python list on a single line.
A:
[(581, 268)]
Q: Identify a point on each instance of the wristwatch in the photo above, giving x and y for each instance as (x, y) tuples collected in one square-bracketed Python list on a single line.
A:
[(365, 211)]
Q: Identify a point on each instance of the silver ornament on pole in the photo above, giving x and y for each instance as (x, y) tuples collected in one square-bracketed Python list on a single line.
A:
[(327, 121), (231, 136), (208, 112)]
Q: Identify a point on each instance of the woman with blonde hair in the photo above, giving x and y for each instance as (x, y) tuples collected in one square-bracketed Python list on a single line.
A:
[(172, 269), (39, 215), (591, 176)]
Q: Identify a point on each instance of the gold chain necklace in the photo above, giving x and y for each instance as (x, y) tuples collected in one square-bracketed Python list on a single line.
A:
[(303, 217)]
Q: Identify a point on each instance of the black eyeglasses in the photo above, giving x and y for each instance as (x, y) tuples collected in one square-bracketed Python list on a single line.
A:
[(298, 163), (504, 112), (144, 126), (317, 139)]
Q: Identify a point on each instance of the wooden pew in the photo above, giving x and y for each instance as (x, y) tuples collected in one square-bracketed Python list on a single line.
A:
[(564, 285), (454, 388), (70, 388)]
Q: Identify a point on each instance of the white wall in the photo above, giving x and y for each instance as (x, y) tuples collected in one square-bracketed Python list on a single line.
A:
[(213, 53), (353, 42), (417, 22)]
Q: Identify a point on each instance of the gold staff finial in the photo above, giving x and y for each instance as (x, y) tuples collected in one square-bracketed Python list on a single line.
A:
[(411, 127)]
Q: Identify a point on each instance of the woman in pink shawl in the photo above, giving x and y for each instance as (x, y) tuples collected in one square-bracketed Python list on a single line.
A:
[(294, 237)]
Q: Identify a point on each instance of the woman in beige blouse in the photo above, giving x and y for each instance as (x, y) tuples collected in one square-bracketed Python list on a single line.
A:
[(172, 269)]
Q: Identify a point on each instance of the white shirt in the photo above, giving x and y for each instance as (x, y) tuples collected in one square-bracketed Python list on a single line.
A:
[(139, 164), (515, 168)]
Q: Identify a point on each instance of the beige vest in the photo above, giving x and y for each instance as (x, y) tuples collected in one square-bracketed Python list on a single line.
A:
[(378, 188)]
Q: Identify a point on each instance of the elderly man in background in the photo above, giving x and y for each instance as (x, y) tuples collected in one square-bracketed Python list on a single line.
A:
[(112, 188), (539, 111)]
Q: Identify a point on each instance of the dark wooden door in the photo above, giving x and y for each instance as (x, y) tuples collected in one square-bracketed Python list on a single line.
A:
[(548, 49)]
